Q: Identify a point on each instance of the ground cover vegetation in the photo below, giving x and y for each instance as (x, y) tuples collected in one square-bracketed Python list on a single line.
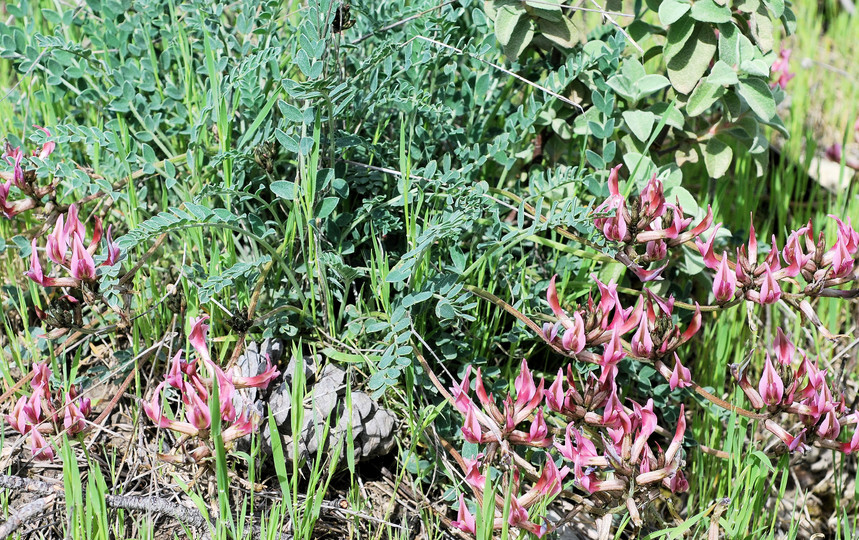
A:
[(426, 269)]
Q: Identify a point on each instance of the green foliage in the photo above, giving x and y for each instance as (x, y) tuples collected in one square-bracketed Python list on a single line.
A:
[(716, 59), (365, 182)]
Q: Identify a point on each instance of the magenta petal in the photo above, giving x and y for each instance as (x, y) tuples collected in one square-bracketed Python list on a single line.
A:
[(82, 266), (35, 272), (197, 337), (464, 520), (771, 387)]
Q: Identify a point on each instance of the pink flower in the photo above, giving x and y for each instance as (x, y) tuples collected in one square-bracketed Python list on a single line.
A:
[(35, 272), (485, 399), (74, 226), (725, 282), (781, 70), (460, 393), (539, 430), (20, 420), (770, 290), (681, 377), (848, 234), (853, 445), (48, 147), (678, 483), (74, 419), (614, 415), (678, 222), (551, 479), (528, 396), (472, 472), (196, 409), (555, 394), (647, 426), (243, 425), (464, 520), (652, 199), (784, 349), (573, 339), (829, 428), (656, 250), (771, 387), (677, 441), (518, 515), (642, 342), (614, 227), (648, 275), (840, 259), (40, 448), (14, 158), (706, 249), (257, 381), (152, 408), (58, 242), (82, 266), (471, 429), (793, 443), (177, 369), (113, 251), (612, 354)]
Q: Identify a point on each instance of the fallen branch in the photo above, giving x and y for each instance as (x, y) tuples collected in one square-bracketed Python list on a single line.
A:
[(156, 505), (23, 514)]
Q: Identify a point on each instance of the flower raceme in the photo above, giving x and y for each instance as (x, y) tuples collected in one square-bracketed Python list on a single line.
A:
[(65, 248), (647, 219), (650, 221), (194, 381), (609, 452), (22, 180), (43, 413), (794, 384), (604, 322), (803, 255)]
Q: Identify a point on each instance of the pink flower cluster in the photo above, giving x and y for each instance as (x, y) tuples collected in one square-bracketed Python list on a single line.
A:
[(803, 255), (605, 446), (195, 389), (15, 156), (65, 248), (646, 219), (606, 321), (42, 413), (781, 69), (796, 385)]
